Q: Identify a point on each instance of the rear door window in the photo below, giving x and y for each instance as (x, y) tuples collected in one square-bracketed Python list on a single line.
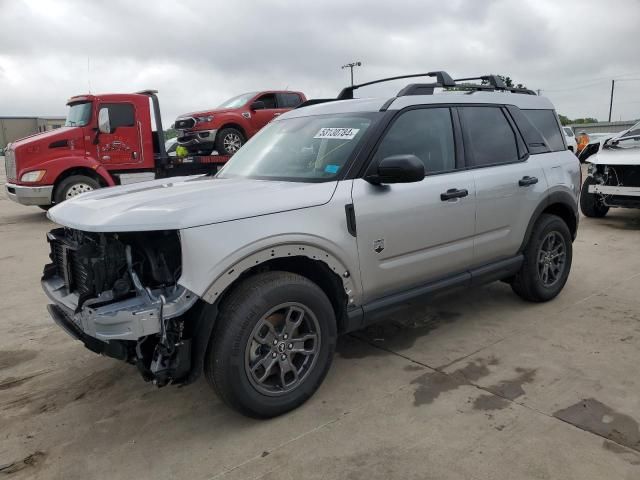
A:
[(547, 124), (489, 138), (289, 100)]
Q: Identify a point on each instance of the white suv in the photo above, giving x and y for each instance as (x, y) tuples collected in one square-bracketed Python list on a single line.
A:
[(330, 217)]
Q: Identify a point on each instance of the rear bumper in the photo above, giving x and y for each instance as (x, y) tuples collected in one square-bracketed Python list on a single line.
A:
[(28, 195), (197, 137)]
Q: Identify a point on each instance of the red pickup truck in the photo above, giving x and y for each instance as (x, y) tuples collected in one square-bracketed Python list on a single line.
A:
[(107, 140), (227, 127)]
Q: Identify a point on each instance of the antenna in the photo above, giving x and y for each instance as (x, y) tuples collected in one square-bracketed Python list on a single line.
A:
[(88, 74)]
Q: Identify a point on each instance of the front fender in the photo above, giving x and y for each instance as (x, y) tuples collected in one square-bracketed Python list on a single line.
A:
[(233, 272), (56, 167)]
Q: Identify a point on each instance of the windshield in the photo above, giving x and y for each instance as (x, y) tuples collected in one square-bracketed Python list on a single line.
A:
[(633, 131), (238, 101), (78, 115), (310, 149)]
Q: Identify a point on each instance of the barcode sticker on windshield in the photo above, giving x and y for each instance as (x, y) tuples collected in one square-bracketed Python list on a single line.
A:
[(338, 133)]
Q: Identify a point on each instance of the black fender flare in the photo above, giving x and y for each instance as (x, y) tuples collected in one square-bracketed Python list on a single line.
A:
[(563, 198)]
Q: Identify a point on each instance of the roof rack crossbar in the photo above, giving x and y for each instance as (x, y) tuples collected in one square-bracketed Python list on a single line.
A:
[(443, 79), (493, 80)]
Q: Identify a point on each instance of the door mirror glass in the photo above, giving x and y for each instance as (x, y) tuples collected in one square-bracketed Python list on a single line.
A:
[(104, 124), (398, 169), (257, 105)]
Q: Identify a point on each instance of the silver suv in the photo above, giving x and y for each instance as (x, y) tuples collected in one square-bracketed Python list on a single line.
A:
[(333, 215)]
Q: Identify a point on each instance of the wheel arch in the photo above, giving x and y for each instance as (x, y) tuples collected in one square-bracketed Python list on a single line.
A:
[(103, 180), (236, 125), (314, 263), (561, 204)]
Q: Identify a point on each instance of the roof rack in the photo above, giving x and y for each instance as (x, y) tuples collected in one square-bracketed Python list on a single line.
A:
[(494, 82), (442, 80)]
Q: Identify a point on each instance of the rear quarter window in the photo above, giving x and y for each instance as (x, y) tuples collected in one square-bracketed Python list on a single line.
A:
[(547, 124)]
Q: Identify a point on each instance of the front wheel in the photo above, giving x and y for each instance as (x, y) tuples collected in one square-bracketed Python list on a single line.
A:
[(547, 260), (591, 204), (272, 345), (229, 141), (73, 186)]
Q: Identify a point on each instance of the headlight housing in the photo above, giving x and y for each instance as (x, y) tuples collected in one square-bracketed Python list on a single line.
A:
[(208, 118), (34, 176)]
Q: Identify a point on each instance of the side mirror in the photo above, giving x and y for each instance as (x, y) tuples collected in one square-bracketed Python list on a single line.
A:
[(398, 169), (257, 105), (104, 125)]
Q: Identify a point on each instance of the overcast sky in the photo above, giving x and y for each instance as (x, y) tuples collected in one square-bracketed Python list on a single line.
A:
[(198, 53)]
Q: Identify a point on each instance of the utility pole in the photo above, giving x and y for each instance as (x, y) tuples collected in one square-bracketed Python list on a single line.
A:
[(613, 83), (350, 66)]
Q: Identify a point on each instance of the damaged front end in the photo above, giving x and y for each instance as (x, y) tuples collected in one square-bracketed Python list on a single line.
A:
[(616, 173), (118, 294)]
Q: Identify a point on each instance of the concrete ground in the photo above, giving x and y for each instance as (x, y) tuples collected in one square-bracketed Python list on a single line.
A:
[(478, 385)]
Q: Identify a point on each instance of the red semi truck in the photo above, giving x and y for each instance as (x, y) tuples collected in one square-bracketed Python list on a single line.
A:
[(107, 140)]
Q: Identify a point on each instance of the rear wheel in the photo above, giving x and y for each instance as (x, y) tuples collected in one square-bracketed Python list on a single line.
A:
[(272, 345), (73, 186), (547, 260), (591, 204), (229, 141)]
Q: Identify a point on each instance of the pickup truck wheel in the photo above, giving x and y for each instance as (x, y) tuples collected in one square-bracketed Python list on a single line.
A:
[(591, 204), (73, 186), (547, 260), (272, 345), (229, 140)]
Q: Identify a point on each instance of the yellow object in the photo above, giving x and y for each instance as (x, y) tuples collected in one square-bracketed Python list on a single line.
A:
[(182, 151)]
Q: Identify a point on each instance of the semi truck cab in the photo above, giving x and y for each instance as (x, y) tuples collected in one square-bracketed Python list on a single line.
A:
[(108, 139)]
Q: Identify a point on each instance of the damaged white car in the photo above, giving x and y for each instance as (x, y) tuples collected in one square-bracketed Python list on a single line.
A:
[(614, 174)]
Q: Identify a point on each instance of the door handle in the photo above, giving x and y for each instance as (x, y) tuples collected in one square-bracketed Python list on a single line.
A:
[(527, 180), (276, 114), (453, 193)]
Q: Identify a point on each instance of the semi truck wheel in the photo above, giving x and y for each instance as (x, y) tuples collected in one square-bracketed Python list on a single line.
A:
[(228, 141), (591, 204), (547, 260), (73, 186), (272, 345)]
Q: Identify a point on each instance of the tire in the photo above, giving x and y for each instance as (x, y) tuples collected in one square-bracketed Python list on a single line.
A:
[(529, 282), (229, 140), (590, 203), (74, 185), (234, 353)]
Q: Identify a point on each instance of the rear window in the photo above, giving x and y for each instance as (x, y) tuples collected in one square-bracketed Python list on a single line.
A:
[(547, 124)]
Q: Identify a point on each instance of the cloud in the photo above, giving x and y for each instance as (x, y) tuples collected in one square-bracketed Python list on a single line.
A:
[(197, 54)]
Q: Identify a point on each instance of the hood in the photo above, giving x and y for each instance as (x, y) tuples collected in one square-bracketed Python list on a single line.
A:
[(36, 151), (205, 113), (616, 156), (184, 202), (51, 135)]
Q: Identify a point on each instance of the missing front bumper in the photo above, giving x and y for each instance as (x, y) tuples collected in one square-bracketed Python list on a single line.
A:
[(129, 319)]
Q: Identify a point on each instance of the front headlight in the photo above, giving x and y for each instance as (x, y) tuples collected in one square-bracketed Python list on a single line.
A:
[(204, 119), (34, 176)]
